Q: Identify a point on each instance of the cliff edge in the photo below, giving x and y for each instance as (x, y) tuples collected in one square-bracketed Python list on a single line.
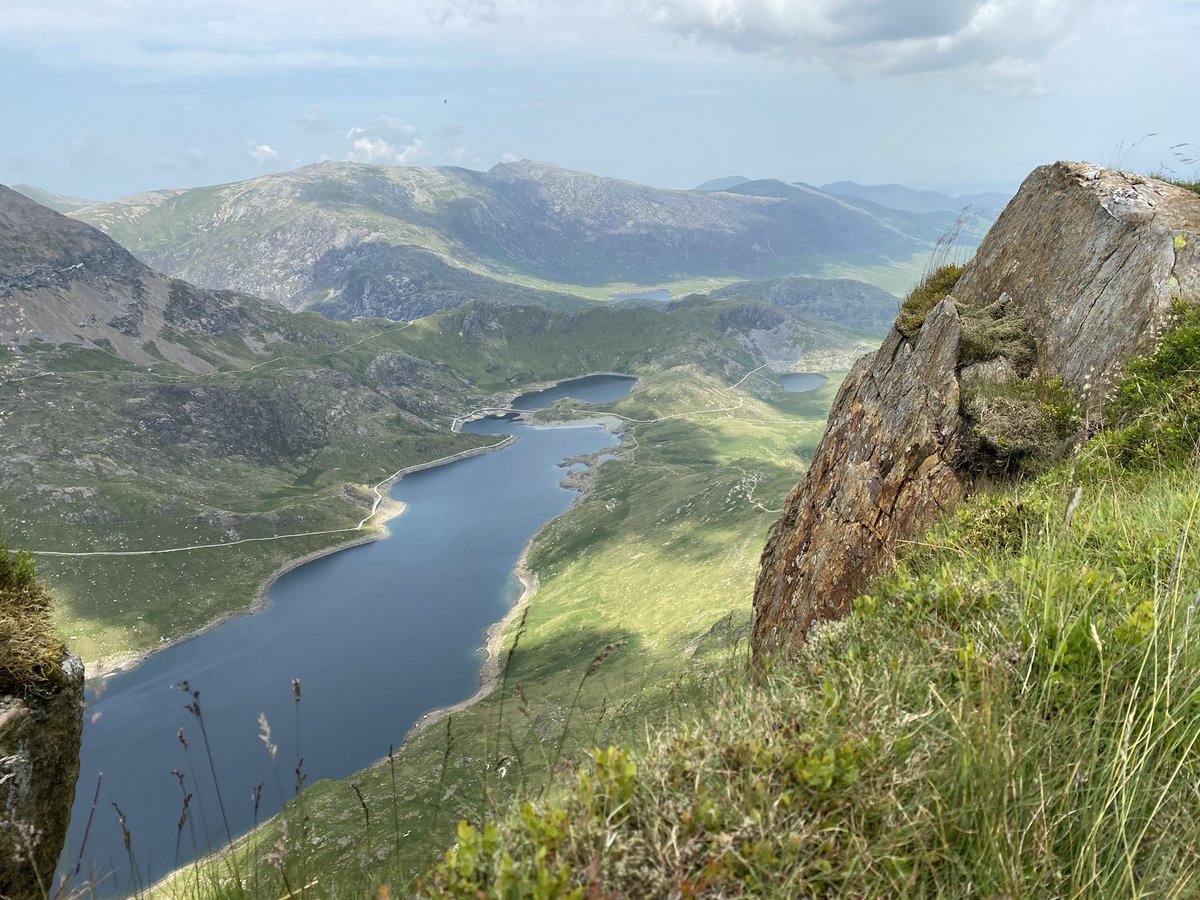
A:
[(1078, 274)]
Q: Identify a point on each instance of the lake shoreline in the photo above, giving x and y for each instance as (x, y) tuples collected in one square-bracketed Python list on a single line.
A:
[(100, 669), (387, 510)]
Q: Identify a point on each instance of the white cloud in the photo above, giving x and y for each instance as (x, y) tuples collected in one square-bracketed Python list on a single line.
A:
[(1006, 39), (315, 120), (262, 153), (386, 140), (509, 158), (458, 155)]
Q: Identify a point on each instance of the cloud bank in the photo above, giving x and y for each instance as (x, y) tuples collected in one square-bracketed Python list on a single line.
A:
[(1008, 39)]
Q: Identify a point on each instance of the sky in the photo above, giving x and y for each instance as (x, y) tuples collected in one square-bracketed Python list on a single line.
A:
[(104, 98)]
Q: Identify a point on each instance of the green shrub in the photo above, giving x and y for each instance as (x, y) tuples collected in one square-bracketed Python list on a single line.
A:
[(996, 330), (1156, 406), (933, 289), (31, 656), (1019, 426)]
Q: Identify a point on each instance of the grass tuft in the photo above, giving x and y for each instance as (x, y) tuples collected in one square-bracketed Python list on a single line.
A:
[(933, 289), (31, 655)]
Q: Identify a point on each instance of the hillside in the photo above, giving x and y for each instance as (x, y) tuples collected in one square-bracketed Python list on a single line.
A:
[(63, 282), (897, 196), (1004, 705), (401, 242), (57, 202), (852, 304)]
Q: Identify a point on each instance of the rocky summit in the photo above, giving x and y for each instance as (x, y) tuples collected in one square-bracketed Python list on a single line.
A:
[(1078, 274)]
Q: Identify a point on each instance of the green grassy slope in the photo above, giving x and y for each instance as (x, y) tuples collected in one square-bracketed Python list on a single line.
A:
[(1013, 712), (638, 581)]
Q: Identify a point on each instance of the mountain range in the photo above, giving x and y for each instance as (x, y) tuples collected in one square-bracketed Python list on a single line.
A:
[(897, 196), (349, 239)]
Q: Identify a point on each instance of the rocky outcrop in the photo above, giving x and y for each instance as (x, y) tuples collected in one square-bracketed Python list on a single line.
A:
[(1078, 274), (39, 763)]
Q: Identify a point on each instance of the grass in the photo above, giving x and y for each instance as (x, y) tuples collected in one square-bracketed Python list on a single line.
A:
[(641, 581), (31, 654), (933, 288), (1013, 712)]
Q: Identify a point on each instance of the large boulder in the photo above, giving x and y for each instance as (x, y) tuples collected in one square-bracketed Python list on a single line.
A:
[(1078, 274)]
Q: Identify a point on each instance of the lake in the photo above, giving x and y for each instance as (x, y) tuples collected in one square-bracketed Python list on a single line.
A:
[(377, 634), (588, 389), (661, 295), (801, 382)]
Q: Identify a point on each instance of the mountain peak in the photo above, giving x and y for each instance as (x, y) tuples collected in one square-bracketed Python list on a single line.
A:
[(722, 184)]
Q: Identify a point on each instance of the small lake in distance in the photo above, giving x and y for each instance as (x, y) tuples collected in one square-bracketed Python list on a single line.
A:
[(662, 295), (801, 382), (378, 635)]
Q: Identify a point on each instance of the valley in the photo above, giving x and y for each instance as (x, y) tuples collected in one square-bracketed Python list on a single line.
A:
[(427, 470), (649, 570), (159, 491)]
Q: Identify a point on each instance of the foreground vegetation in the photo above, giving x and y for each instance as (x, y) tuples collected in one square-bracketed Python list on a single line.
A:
[(31, 654), (1013, 713)]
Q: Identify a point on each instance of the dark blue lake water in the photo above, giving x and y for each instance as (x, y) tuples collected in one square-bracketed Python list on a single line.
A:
[(801, 382), (588, 389), (377, 634)]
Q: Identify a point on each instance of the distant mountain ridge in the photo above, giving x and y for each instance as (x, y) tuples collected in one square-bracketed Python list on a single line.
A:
[(348, 239), (722, 184), (57, 202), (897, 196)]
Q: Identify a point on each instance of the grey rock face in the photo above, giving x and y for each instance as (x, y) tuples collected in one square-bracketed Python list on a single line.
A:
[(1088, 263), (887, 459), (1093, 259), (64, 282), (39, 751)]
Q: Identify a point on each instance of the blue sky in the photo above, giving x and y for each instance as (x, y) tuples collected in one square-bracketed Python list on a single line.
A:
[(103, 98)]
